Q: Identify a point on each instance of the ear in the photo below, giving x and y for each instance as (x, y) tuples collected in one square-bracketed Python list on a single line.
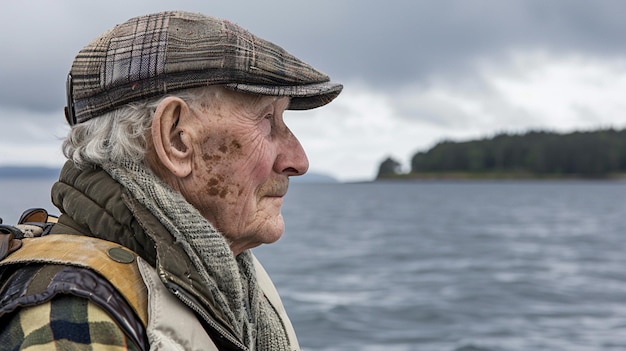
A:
[(171, 136)]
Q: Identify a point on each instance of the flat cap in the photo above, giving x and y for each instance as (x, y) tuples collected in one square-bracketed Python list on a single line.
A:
[(160, 53)]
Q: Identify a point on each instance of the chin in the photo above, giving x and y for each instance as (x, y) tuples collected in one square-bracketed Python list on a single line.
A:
[(272, 237), (275, 232)]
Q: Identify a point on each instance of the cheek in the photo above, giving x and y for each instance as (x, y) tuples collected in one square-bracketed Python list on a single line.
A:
[(252, 159), (219, 166), (232, 167)]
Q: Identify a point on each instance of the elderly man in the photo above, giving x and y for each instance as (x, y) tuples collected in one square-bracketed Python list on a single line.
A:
[(178, 162)]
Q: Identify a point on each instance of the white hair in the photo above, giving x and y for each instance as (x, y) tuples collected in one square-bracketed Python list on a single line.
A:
[(122, 134)]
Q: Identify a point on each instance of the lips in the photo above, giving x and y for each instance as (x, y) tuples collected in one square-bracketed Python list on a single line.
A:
[(277, 188)]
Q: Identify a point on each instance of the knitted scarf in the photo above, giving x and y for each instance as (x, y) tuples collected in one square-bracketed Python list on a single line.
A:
[(232, 279)]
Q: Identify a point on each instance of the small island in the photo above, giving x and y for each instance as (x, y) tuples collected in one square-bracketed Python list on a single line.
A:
[(597, 154)]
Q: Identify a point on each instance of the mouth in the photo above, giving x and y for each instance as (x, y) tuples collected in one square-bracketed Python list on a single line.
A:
[(278, 189)]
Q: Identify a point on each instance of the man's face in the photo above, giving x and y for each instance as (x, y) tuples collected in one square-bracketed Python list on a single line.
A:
[(243, 156)]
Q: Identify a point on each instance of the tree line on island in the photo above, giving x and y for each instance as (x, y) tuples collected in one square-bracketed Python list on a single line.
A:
[(534, 154)]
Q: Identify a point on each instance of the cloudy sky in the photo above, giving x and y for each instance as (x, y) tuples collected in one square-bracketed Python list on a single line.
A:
[(414, 72)]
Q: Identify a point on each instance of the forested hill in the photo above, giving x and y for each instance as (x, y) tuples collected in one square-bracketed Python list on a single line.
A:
[(596, 154)]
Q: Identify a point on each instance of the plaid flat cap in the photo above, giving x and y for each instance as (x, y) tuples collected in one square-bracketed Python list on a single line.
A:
[(160, 53)]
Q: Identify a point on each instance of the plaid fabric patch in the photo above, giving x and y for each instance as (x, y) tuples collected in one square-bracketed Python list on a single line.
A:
[(65, 323), (138, 53)]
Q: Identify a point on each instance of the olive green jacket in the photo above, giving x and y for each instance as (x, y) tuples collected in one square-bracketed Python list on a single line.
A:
[(94, 204)]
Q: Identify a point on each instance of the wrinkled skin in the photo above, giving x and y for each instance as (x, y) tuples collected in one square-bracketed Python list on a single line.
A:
[(243, 156)]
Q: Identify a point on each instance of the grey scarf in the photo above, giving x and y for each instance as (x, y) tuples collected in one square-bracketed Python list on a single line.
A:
[(232, 279)]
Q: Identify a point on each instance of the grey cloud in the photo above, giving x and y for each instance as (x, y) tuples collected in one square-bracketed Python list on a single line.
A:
[(414, 42), (383, 43)]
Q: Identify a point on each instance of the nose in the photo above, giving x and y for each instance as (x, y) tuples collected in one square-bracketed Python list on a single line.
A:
[(292, 159)]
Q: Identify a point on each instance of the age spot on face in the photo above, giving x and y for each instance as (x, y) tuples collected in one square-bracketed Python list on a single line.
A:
[(214, 187), (211, 158), (223, 193), (233, 146)]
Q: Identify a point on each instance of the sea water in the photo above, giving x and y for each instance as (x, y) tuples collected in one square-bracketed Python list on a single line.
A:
[(441, 265)]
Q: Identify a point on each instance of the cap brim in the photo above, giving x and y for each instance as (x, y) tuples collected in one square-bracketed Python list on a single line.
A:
[(303, 97)]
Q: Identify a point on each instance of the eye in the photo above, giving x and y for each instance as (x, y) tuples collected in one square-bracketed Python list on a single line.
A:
[(268, 123), (271, 118)]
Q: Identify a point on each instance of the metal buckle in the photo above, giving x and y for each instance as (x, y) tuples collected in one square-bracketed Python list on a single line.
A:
[(70, 114)]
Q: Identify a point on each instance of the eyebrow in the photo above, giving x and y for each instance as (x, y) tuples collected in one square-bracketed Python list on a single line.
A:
[(263, 103)]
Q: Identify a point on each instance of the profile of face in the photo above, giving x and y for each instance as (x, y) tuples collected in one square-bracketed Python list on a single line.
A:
[(232, 159)]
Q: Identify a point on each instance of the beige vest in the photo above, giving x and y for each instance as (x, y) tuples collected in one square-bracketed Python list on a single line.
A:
[(170, 324), (173, 326)]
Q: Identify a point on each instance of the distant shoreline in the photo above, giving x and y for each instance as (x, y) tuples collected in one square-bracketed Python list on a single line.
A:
[(30, 172), (496, 176), (45, 172)]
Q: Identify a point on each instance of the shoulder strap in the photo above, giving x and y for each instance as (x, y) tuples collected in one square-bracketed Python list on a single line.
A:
[(115, 263)]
